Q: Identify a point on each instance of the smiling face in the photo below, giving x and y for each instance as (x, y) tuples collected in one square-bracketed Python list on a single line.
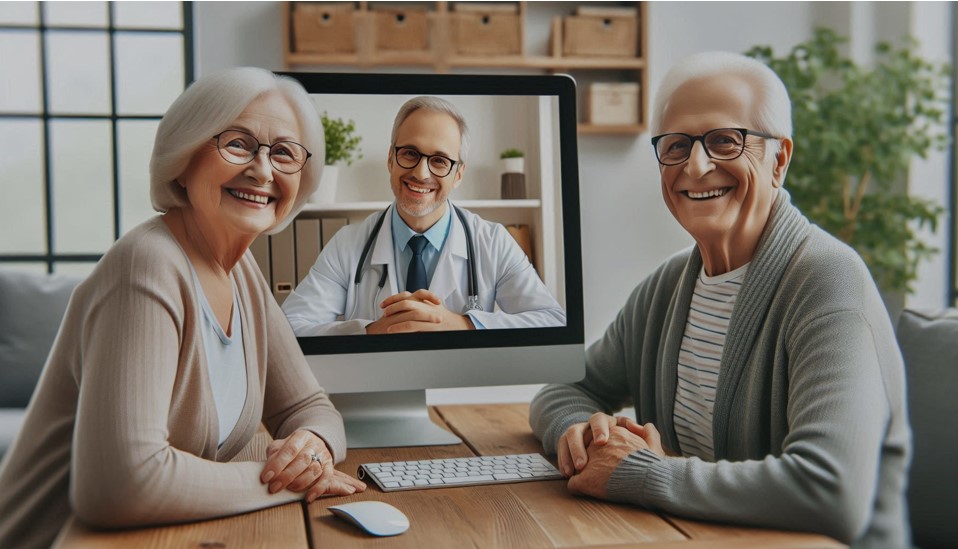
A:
[(721, 202), (420, 195), (251, 198)]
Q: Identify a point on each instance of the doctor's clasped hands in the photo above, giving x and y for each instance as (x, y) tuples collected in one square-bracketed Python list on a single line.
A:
[(421, 311)]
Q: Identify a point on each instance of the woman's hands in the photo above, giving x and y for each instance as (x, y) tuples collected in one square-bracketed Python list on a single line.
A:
[(301, 462)]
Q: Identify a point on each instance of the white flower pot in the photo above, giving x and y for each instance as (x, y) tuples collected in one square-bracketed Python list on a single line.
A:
[(513, 165), (326, 193)]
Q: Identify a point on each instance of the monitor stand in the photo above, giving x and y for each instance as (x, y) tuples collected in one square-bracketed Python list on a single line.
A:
[(390, 419)]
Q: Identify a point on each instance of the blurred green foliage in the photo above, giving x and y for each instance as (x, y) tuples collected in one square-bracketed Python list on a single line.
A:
[(856, 130), (342, 143)]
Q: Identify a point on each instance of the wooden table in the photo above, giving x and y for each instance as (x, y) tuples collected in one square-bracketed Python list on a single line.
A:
[(531, 514)]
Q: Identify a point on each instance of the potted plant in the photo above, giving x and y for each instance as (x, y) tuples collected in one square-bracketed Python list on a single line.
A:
[(512, 161), (342, 145), (856, 130), (513, 174)]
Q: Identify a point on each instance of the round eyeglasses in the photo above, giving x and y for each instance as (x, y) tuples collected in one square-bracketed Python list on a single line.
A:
[(720, 144), (239, 147), (439, 165)]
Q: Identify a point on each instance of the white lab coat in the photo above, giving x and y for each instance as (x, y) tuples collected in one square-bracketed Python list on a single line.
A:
[(328, 302)]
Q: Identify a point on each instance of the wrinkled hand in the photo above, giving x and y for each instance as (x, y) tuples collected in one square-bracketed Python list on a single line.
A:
[(421, 311), (289, 465), (603, 459), (571, 449)]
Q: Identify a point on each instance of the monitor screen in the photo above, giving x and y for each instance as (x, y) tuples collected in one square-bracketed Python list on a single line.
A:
[(500, 245)]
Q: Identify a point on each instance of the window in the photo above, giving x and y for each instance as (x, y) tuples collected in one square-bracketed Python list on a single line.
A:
[(83, 86)]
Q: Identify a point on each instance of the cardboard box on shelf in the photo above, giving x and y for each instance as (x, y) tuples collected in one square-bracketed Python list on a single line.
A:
[(613, 104), (611, 32), (487, 29), (401, 29), (323, 27)]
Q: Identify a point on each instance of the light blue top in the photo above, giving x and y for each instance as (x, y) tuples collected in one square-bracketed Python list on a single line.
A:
[(436, 235), (226, 362)]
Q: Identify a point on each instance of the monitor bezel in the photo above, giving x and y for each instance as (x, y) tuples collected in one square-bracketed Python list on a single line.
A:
[(560, 86)]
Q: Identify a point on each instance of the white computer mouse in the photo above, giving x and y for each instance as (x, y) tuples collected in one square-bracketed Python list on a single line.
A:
[(375, 517)]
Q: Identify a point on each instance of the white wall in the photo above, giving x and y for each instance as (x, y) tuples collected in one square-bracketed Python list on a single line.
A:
[(928, 176), (626, 229)]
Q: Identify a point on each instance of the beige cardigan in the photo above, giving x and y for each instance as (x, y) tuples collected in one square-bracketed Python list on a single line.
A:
[(123, 418)]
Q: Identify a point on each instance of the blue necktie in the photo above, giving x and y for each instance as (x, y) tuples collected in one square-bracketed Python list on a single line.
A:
[(416, 274)]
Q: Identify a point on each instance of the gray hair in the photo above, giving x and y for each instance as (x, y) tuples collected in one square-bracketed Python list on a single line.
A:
[(434, 104), (773, 114), (208, 107)]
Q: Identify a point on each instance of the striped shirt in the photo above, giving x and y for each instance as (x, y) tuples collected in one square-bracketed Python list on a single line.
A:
[(699, 357)]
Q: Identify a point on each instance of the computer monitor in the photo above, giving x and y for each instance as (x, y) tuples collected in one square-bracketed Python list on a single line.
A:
[(378, 382)]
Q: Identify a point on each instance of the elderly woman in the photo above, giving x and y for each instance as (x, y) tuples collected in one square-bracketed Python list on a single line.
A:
[(173, 351), (761, 362)]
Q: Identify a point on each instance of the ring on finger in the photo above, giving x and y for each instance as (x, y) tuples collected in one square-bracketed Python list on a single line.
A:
[(313, 456)]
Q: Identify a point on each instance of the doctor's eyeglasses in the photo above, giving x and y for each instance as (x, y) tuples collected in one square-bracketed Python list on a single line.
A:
[(439, 165), (720, 144), (238, 147)]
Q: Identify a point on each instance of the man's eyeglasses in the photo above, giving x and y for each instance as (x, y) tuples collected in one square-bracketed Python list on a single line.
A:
[(720, 144), (439, 165), (239, 147)]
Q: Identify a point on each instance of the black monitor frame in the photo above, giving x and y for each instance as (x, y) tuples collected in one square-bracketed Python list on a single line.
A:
[(561, 86)]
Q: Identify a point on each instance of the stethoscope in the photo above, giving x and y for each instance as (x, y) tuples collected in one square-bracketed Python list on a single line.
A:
[(472, 299)]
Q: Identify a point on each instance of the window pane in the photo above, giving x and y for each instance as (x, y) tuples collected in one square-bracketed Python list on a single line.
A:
[(75, 14), (20, 72), (19, 13), (78, 72), (38, 268), (149, 72), (82, 167), (136, 146), (21, 210), (151, 15), (73, 268)]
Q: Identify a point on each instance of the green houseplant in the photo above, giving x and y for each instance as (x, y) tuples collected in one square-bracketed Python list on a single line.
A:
[(856, 130), (513, 161), (342, 145)]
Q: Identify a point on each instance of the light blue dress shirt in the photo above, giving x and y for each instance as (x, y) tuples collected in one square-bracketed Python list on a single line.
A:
[(436, 235)]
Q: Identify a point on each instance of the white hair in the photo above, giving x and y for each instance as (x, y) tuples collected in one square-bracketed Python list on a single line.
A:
[(772, 114), (208, 107), (434, 104)]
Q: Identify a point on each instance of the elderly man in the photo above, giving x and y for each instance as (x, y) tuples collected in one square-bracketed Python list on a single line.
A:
[(424, 264), (761, 362)]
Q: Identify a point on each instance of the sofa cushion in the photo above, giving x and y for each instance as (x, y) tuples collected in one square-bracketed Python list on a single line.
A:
[(31, 308), (929, 345)]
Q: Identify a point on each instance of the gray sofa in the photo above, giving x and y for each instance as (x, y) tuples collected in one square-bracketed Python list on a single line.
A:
[(31, 308), (929, 344)]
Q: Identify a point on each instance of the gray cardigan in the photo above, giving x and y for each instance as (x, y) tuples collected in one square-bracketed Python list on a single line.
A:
[(810, 424)]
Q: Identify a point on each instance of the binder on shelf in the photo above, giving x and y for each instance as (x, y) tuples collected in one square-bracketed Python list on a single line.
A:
[(283, 263), (307, 246), (330, 225), (260, 251), (523, 238)]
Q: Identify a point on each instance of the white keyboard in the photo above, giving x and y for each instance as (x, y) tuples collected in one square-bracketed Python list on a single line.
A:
[(391, 476)]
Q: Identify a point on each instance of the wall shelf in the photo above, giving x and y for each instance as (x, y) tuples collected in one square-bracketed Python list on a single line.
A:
[(442, 54)]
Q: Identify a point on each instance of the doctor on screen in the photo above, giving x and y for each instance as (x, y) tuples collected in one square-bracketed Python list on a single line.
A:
[(423, 264)]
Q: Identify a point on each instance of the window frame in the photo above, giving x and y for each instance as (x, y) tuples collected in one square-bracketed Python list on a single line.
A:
[(49, 256)]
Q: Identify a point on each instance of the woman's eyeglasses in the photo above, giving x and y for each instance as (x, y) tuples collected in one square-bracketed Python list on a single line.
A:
[(239, 147)]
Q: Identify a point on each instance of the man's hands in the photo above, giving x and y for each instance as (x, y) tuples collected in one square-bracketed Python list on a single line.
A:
[(589, 452), (289, 465), (422, 311)]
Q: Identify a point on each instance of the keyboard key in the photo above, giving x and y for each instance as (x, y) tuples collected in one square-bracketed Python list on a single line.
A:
[(461, 480)]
